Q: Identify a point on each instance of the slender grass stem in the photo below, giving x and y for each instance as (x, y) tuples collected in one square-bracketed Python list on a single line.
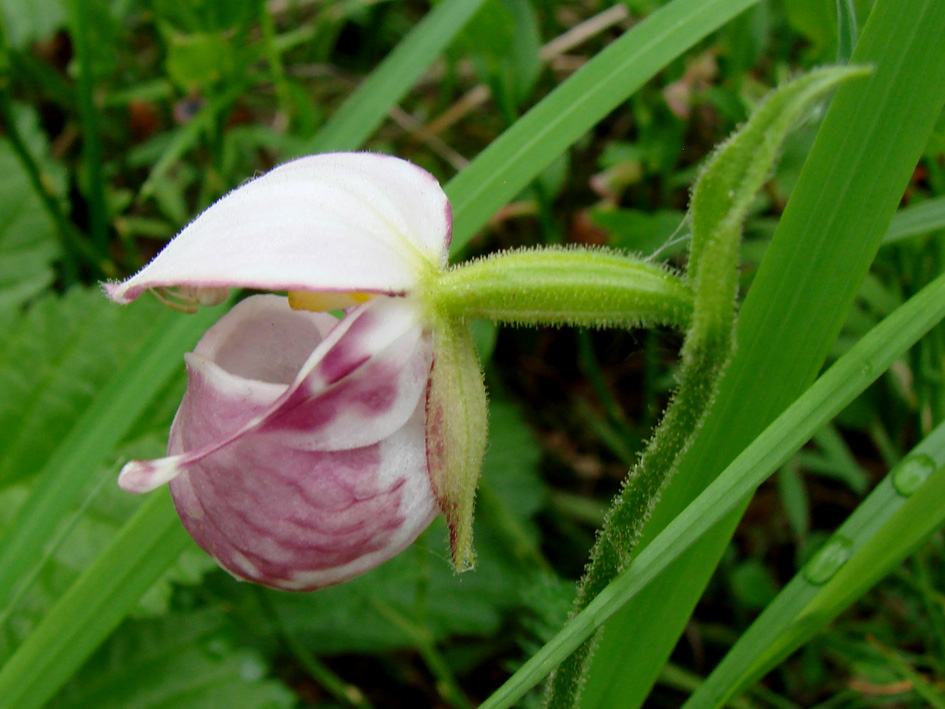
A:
[(91, 130), (73, 242), (420, 638), (274, 59), (348, 694)]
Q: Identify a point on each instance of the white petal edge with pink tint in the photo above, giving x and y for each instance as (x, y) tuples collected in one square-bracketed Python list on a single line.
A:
[(336, 222)]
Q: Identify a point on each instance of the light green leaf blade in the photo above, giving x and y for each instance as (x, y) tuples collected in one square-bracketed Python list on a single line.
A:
[(879, 534), (913, 221), (92, 439), (80, 535), (58, 355), (831, 230), (182, 660), (842, 383), (94, 605)]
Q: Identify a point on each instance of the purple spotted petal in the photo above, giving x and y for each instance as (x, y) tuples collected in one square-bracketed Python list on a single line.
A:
[(359, 385), (337, 222), (277, 503)]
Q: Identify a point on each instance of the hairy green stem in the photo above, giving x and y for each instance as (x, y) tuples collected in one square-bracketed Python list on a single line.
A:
[(720, 202), (564, 286), (705, 354)]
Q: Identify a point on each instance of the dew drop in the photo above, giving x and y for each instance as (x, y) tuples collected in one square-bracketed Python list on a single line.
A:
[(215, 647), (824, 565), (912, 472)]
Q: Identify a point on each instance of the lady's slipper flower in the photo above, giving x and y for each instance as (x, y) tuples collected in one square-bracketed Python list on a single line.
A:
[(308, 450)]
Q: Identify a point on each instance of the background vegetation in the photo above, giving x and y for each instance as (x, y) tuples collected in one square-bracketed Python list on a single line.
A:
[(122, 119)]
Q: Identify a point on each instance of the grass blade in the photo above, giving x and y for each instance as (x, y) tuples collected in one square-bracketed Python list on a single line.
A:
[(365, 109), (93, 438), (913, 221), (94, 605), (829, 234), (882, 531), (842, 383), (513, 160), (91, 130)]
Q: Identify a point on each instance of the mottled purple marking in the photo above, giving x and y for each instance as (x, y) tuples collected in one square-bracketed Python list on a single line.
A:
[(449, 223), (290, 511), (321, 540), (371, 394), (377, 398), (346, 355), (303, 411)]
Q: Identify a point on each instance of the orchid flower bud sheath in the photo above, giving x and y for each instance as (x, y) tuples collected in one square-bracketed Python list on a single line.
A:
[(299, 455)]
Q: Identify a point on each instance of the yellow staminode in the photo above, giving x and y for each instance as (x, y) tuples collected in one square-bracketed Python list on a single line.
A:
[(322, 302)]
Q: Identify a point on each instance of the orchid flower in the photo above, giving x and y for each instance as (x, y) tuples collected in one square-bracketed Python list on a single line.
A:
[(308, 450)]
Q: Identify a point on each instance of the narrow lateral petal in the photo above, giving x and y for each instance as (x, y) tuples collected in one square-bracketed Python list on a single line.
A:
[(361, 383), (336, 222)]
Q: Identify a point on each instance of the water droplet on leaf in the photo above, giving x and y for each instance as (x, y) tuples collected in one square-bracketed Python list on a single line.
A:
[(825, 564), (912, 472)]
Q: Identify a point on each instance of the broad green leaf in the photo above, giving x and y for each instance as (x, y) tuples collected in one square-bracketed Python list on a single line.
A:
[(28, 244), (28, 22), (58, 355), (91, 441), (837, 215), (79, 536), (94, 605), (182, 660)]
